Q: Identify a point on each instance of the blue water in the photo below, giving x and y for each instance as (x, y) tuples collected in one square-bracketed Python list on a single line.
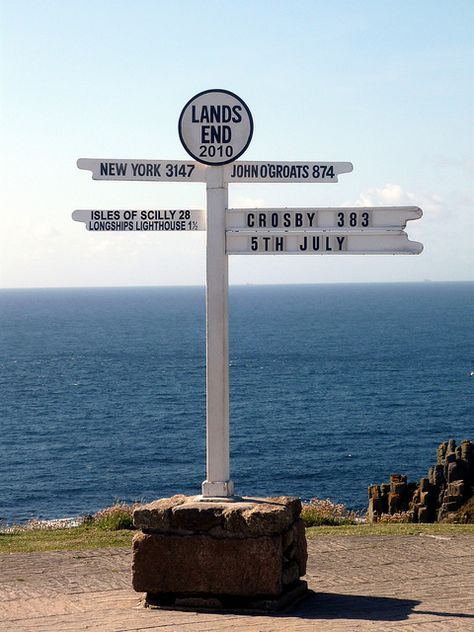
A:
[(333, 387)]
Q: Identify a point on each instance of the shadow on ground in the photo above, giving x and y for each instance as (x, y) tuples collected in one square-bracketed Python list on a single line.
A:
[(335, 606)]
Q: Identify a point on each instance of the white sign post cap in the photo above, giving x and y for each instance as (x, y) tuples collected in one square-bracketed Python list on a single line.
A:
[(215, 127)]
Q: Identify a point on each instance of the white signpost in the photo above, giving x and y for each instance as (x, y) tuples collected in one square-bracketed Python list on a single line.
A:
[(215, 128)]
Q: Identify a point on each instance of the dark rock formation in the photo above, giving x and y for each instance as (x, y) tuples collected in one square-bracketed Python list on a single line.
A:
[(447, 487)]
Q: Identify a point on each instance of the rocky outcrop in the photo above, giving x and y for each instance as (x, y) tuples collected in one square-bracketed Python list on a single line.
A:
[(447, 487)]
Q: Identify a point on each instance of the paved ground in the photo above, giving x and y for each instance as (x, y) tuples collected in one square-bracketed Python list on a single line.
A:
[(410, 583)]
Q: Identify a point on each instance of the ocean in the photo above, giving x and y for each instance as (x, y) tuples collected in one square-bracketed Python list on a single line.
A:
[(332, 388)]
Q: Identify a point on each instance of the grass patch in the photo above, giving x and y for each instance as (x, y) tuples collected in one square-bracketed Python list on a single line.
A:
[(115, 518), (391, 529), (70, 539), (112, 526)]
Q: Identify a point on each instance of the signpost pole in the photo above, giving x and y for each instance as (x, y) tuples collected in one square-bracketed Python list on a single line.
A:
[(217, 483)]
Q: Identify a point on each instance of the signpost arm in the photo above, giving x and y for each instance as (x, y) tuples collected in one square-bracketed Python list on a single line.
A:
[(217, 483)]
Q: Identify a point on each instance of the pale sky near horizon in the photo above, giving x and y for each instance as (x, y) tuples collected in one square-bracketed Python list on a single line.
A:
[(387, 86)]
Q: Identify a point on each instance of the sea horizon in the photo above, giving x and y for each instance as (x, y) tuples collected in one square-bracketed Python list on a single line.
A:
[(332, 387), (247, 284)]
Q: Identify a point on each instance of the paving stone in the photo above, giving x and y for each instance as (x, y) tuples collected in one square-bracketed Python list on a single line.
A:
[(364, 584)]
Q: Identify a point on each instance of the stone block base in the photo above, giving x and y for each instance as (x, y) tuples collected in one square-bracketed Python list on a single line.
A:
[(224, 603), (219, 555)]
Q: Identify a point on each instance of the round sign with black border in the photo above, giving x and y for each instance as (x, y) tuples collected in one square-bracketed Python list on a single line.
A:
[(215, 127)]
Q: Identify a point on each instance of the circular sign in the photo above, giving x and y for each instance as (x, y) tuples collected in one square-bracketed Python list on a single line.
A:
[(215, 127)]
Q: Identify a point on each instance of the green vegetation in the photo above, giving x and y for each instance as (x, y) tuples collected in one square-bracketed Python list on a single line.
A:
[(113, 527), (70, 539), (435, 529), (119, 516)]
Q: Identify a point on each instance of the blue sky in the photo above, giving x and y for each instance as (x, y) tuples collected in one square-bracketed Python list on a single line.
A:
[(385, 85)]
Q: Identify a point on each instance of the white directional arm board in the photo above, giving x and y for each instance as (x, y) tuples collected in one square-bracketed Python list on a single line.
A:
[(321, 243), (387, 217), (285, 171), (191, 171), (328, 231), (151, 170), (146, 220), (351, 230)]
